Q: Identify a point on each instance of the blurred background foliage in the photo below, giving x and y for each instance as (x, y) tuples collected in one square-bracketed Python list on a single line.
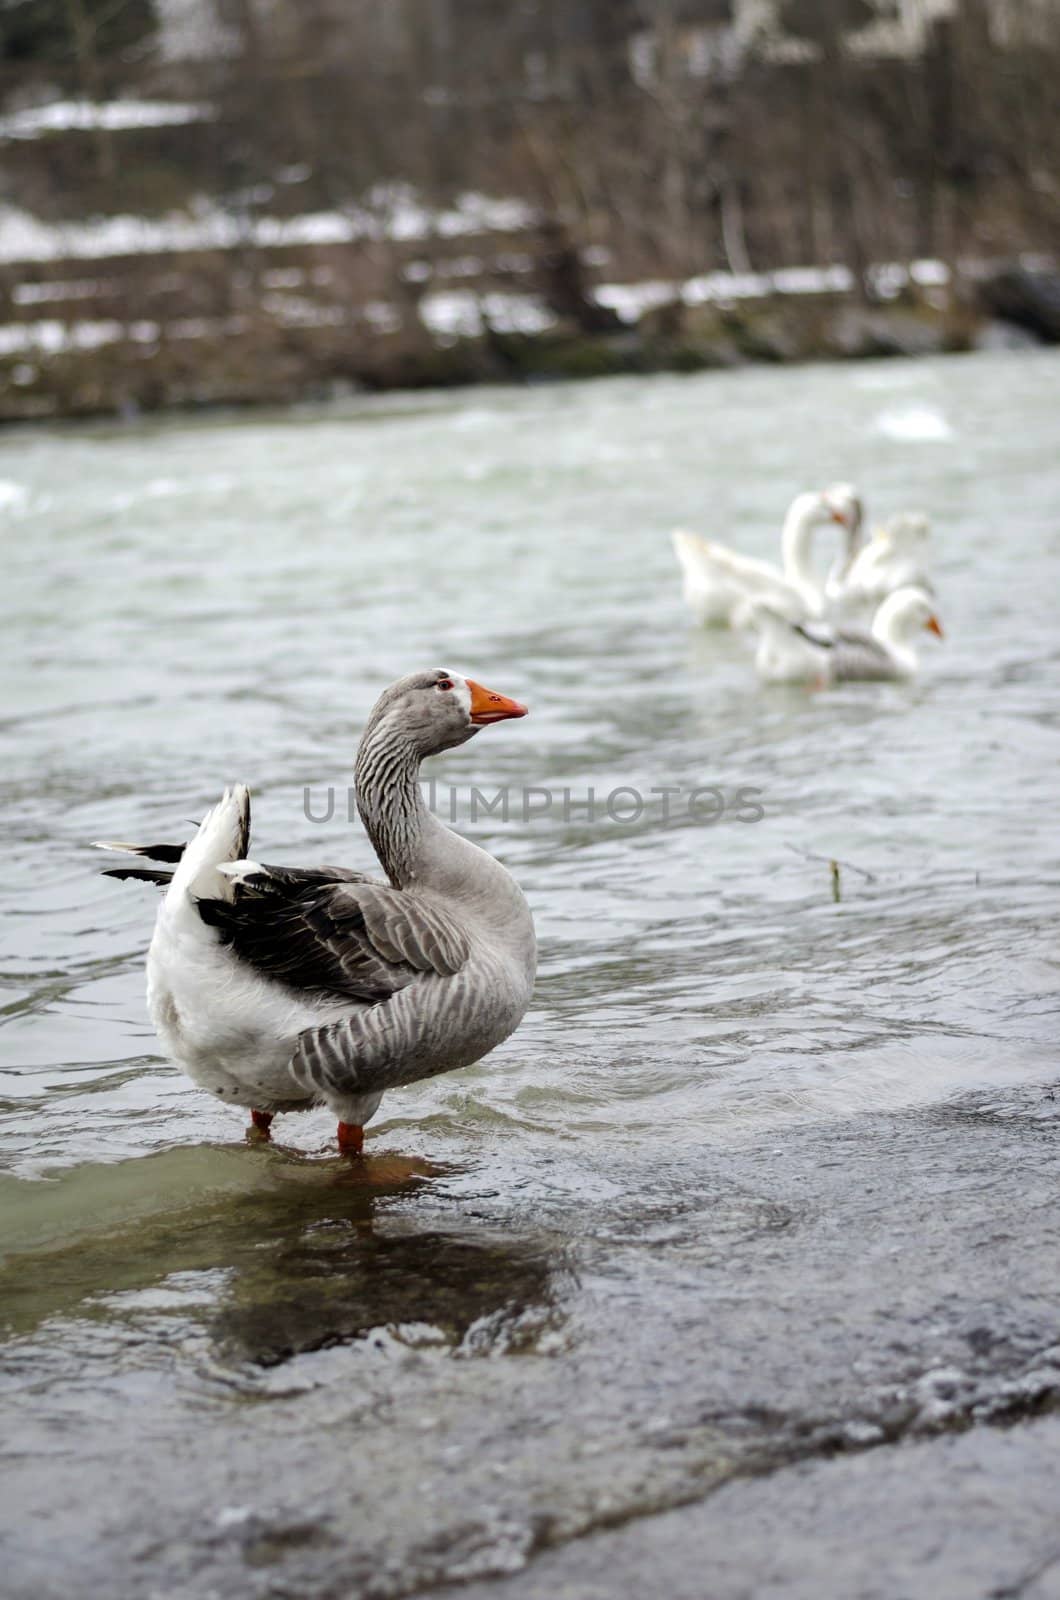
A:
[(647, 140)]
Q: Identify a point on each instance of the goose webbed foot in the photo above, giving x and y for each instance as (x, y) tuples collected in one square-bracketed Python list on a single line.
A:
[(351, 1138), (260, 1123)]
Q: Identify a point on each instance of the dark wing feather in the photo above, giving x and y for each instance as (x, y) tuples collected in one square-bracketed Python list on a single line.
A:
[(280, 880), (151, 852), (147, 874), (161, 852), (820, 635), (341, 935)]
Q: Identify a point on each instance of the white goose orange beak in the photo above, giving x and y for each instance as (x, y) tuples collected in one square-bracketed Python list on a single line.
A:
[(933, 625), (486, 706)]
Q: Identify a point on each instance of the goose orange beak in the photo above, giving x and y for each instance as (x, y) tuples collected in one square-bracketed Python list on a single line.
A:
[(933, 625), (486, 706)]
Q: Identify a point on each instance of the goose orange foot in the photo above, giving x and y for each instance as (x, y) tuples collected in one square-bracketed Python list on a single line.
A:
[(261, 1121), (351, 1138)]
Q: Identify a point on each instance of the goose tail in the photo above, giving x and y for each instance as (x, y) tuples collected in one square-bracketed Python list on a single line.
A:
[(157, 875), (223, 836), (150, 852), (192, 868), (689, 548)]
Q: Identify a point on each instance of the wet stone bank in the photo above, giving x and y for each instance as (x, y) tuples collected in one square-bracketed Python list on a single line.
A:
[(836, 1349)]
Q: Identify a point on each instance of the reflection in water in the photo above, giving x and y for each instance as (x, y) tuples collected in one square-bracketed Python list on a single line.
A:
[(342, 1278), (299, 1257)]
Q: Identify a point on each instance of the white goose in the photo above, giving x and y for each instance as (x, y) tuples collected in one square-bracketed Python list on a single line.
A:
[(719, 583), (817, 655), (280, 988)]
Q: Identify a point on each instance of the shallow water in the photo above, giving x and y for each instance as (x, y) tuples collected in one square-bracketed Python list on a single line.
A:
[(188, 603)]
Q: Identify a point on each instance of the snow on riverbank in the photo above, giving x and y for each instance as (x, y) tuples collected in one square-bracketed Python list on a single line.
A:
[(888, 278), (391, 212), (448, 314), (86, 116)]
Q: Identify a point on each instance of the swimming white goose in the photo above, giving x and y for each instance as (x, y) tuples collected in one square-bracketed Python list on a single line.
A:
[(815, 654), (281, 988), (896, 557), (719, 583)]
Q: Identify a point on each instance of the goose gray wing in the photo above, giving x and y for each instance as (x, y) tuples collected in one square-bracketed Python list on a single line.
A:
[(370, 1051), (334, 932), (859, 654), (855, 652)]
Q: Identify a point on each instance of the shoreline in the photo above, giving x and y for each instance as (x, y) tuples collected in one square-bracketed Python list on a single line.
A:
[(123, 369)]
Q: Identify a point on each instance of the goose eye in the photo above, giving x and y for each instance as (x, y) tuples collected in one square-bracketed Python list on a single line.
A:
[(444, 683)]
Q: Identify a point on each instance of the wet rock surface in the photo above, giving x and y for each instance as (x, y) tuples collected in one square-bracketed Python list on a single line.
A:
[(896, 1522), (825, 1360), (1027, 298)]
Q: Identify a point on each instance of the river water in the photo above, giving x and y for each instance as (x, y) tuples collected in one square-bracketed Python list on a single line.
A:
[(632, 1252)]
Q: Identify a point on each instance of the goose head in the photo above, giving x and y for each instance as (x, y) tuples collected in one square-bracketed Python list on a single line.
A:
[(429, 712), (816, 508), (908, 531), (842, 504), (903, 613)]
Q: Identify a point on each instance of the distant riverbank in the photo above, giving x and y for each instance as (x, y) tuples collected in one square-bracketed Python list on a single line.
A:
[(158, 330)]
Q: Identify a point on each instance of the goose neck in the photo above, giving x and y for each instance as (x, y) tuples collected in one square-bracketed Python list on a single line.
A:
[(894, 626), (389, 800), (796, 538)]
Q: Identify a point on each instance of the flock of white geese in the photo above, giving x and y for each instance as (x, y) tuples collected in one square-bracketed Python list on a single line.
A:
[(860, 622)]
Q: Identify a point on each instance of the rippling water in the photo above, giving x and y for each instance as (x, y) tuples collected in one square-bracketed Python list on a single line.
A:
[(191, 602)]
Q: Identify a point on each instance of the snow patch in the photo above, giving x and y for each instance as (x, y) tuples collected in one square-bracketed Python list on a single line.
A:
[(723, 286), (460, 313), (632, 300), (390, 213), (85, 116), (930, 274), (52, 337), (813, 280), (34, 294)]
